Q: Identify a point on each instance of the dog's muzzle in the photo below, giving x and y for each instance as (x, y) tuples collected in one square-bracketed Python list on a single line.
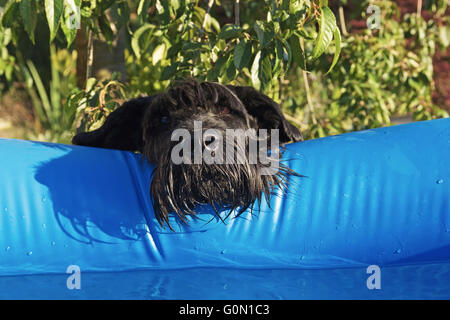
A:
[(205, 165)]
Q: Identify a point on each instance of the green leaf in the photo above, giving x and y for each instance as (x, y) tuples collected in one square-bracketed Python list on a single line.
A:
[(289, 53), (264, 35), (161, 7), (279, 58), (212, 25), (259, 29), (86, 12), (71, 20), (29, 18), (337, 42), (230, 31), (159, 53), (327, 25), (195, 46), (90, 84), (40, 88), (305, 35), (169, 71), (143, 7), (37, 103), (297, 53), (135, 40), (255, 71), (294, 6), (9, 13), (142, 10), (242, 54), (105, 28), (73, 101), (219, 66), (174, 49), (265, 70), (444, 35), (53, 11), (230, 69)]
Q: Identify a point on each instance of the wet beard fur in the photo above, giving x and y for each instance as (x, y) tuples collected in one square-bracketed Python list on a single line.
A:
[(180, 188)]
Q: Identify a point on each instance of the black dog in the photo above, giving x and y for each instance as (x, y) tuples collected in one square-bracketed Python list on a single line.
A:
[(146, 125)]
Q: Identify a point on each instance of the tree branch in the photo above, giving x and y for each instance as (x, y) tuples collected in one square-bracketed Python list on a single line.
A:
[(236, 13), (210, 4), (90, 54), (342, 21), (308, 91)]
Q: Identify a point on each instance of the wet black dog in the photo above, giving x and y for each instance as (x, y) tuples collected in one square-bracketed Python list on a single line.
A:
[(148, 125)]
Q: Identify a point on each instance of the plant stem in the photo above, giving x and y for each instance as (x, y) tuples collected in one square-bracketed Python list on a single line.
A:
[(295, 121), (308, 91), (90, 55), (342, 21), (308, 98), (210, 4), (419, 8)]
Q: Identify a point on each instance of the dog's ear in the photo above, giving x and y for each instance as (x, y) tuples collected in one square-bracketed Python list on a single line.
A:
[(267, 112)]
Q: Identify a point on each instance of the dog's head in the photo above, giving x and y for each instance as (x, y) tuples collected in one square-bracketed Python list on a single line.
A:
[(210, 145)]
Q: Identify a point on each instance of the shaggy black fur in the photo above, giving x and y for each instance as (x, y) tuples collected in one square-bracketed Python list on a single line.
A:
[(146, 125)]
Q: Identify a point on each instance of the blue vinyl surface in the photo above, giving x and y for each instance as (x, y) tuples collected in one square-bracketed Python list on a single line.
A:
[(379, 197)]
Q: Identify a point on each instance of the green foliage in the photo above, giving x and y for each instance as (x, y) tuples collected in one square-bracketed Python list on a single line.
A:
[(54, 115), (379, 75), (7, 61), (291, 50), (88, 108), (181, 40), (63, 17)]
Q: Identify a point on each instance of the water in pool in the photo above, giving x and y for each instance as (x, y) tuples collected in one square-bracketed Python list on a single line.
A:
[(430, 281)]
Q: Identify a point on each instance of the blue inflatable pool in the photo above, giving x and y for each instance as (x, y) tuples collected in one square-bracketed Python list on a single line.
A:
[(377, 197)]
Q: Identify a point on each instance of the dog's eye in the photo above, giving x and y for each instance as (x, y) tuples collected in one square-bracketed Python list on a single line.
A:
[(223, 110), (165, 120)]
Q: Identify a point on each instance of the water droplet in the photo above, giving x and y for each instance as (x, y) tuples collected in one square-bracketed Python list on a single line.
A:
[(440, 181), (398, 251), (302, 257), (43, 199), (44, 225), (29, 253), (66, 246), (6, 209), (53, 243), (223, 251), (8, 248)]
